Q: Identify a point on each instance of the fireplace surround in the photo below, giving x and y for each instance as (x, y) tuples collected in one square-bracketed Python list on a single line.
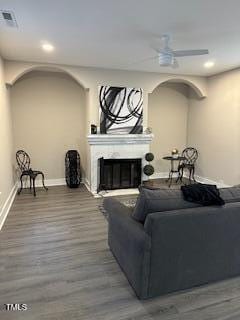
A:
[(115, 146)]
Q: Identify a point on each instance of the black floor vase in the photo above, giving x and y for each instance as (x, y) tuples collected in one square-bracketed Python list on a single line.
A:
[(72, 169)]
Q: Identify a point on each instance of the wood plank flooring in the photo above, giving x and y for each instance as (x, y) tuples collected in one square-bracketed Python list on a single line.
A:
[(54, 257)]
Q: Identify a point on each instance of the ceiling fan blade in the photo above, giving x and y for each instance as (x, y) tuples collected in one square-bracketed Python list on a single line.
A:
[(186, 53)]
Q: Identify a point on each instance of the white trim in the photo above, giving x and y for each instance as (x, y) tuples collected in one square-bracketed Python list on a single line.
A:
[(219, 184), (115, 139), (160, 175), (47, 182), (86, 183), (164, 175), (51, 182), (54, 182), (117, 192), (7, 205)]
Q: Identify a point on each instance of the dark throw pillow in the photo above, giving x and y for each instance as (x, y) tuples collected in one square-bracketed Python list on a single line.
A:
[(204, 194)]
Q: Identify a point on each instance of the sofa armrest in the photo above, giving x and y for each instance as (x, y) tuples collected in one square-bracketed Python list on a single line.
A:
[(130, 245), (120, 218)]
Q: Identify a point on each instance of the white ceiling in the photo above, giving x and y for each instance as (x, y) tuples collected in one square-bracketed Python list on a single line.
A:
[(119, 34)]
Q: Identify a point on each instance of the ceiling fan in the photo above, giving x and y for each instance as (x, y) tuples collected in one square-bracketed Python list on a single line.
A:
[(167, 56)]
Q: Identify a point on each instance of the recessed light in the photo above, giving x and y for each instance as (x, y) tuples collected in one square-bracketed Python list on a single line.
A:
[(209, 64), (48, 47)]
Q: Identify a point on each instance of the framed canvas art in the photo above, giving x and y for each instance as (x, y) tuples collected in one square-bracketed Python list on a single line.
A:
[(121, 110)]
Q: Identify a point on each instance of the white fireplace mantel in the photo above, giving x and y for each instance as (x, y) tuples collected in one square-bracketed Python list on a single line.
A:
[(108, 139), (119, 146)]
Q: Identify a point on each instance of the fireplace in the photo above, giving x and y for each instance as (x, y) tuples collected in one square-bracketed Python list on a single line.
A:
[(119, 173), (115, 146)]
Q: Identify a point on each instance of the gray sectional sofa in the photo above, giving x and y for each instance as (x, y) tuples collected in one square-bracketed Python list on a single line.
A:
[(166, 244)]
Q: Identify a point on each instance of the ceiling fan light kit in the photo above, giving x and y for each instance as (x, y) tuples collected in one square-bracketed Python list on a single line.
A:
[(165, 59), (167, 56)]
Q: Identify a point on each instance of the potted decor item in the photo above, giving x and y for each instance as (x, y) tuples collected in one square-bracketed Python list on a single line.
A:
[(93, 129), (148, 130), (72, 169), (175, 153), (148, 169)]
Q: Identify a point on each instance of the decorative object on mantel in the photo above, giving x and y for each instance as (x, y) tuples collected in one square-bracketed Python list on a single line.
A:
[(121, 110), (148, 169), (93, 129), (72, 169), (148, 130), (175, 153)]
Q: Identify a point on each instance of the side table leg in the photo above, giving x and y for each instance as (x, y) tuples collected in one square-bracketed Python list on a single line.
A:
[(169, 176), (170, 179), (34, 190)]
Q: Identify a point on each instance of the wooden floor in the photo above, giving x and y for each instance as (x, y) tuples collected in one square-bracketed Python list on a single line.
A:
[(54, 257)]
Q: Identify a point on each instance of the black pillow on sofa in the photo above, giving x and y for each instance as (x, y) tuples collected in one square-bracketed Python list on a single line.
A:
[(204, 194), (158, 200)]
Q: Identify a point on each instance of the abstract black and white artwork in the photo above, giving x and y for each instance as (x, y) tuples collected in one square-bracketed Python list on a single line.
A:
[(121, 110)]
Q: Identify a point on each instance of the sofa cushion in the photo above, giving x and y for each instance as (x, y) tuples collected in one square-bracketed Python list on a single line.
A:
[(230, 194), (158, 200)]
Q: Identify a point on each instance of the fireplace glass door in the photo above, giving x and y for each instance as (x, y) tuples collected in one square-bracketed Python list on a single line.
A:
[(119, 173)]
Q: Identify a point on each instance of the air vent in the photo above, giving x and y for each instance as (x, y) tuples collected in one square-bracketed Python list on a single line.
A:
[(9, 18)]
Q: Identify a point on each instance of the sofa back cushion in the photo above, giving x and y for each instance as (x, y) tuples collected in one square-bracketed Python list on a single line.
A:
[(230, 194), (158, 200)]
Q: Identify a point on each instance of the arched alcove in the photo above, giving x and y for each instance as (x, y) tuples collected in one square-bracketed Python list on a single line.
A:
[(168, 110), (49, 118), (20, 70), (195, 84)]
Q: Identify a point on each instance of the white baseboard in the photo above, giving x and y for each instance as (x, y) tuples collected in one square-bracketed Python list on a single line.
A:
[(164, 175), (55, 182), (87, 184), (51, 182), (156, 175), (159, 175), (7, 205), (219, 184), (48, 183)]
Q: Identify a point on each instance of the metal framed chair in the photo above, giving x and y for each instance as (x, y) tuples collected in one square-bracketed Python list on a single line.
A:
[(24, 161), (190, 156)]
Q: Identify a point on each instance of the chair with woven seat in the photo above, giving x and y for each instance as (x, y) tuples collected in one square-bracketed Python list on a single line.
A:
[(24, 161), (190, 154)]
